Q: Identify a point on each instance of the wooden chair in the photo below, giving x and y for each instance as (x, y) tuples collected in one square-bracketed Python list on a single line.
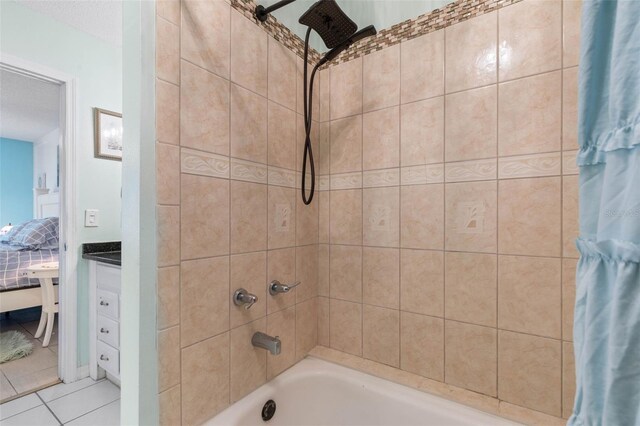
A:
[(46, 272)]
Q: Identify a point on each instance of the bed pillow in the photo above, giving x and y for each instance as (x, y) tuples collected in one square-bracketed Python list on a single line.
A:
[(6, 238), (36, 234)]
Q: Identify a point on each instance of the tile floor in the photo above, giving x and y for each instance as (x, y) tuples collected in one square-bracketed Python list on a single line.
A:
[(85, 402), (35, 371)]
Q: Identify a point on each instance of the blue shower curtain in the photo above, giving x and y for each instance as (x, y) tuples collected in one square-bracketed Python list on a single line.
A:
[(607, 312)]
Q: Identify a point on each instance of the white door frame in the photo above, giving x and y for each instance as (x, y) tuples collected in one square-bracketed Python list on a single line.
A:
[(68, 298)]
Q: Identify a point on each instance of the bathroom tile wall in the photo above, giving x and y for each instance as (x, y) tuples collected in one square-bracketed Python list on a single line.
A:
[(448, 205), (229, 119)]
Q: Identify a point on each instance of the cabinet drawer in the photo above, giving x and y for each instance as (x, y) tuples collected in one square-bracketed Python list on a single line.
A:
[(108, 331), (108, 277), (107, 304), (108, 358)]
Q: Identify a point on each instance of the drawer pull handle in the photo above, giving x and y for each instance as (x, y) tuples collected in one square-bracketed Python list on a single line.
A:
[(104, 330), (103, 303), (104, 358)]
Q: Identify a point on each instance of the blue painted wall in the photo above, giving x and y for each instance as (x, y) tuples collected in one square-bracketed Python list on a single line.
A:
[(16, 181)]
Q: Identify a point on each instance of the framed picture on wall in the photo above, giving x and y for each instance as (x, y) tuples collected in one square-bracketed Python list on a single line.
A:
[(107, 134)]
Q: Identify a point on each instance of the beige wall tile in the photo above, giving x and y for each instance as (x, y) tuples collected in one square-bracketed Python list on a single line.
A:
[(282, 218), (323, 270), (324, 152), (306, 327), (471, 287), (300, 88), (345, 326), (471, 357), (529, 299), (248, 368), (307, 272), (346, 217), (168, 234), (529, 216), (169, 404), (346, 89), (169, 10), (283, 325), (521, 53), (306, 222), (167, 51), (568, 379), (281, 266), (204, 311), (471, 55), (168, 358), (282, 137), (381, 78), (570, 211), (346, 273), (323, 321), (248, 125), (422, 216), (422, 282), (422, 345), (204, 212), (248, 217), (346, 145), (422, 132), (248, 54), (381, 335), (529, 372), (299, 143), (381, 139), (205, 379), (248, 271), (568, 296), (325, 94), (422, 67), (570, 108), (167, 174), (571, 14), (381, 277), (471, 124), (206, 34), (381, 217), (471, 217), (530, 118), (323, 216), (168, 297), (282, 73), (167, 112), (204, 109)]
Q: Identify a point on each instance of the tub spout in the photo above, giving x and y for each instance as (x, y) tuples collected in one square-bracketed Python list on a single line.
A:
[(264, 341)]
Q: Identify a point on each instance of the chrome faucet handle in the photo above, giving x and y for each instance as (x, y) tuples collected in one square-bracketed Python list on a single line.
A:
[(242, 297), (275, 287)]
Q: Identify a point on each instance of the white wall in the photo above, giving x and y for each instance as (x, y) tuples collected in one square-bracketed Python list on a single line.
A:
[(97, 67), (45, 158)]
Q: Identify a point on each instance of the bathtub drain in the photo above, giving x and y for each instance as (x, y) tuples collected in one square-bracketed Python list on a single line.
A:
[(268, 410)]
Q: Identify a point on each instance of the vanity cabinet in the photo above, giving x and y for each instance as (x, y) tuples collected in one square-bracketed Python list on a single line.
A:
[(104, 321)]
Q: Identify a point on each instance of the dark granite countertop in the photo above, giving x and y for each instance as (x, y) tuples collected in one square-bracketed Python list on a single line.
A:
[(108, 252)]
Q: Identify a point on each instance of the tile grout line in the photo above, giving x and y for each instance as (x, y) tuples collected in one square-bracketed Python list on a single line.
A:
[(48, 408)]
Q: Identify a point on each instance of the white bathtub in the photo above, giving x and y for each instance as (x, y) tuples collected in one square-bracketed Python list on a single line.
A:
[(316, 392)]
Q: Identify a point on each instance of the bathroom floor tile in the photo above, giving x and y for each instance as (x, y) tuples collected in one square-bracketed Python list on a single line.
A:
[(76, 404)]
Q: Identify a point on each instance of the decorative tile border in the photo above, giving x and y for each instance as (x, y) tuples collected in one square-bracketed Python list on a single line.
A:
[(282, 177), (437, 19), (324, 183), (569, 163), (276, 29), (534, 165), (203, 163), (421, 175), (379, 178), (468, 171), (346, 181), (248, 171)]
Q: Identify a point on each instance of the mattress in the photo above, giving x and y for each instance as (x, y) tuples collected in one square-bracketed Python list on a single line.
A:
[(14, 263)]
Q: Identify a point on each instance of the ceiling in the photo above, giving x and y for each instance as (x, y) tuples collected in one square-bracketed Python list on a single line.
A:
[(29, 107), (381, 13), (100, 18)]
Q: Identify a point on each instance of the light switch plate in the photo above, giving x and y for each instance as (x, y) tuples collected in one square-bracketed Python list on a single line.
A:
[(91, 218)]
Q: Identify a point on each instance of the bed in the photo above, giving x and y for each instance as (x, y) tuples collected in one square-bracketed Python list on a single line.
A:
[(27, 244)]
